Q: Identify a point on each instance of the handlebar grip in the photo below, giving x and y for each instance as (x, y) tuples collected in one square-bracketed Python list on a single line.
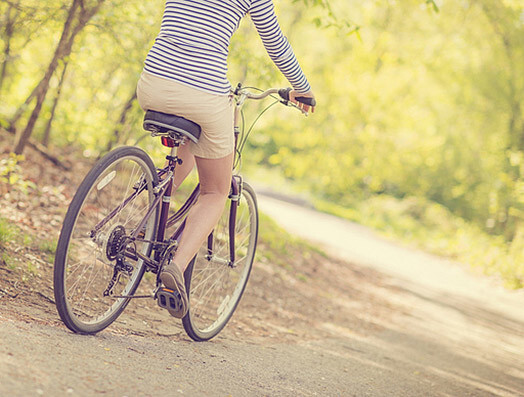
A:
[(306, 100), (284, 94)]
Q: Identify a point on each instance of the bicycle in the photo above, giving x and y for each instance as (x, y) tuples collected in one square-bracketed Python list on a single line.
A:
[(115, 230)]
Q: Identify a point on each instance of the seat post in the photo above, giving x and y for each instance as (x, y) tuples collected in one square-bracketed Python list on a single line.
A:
[(173, 156), (173, 161), (174, 150)]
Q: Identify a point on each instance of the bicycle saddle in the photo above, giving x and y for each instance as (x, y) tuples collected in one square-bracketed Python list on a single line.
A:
[(176, 126)]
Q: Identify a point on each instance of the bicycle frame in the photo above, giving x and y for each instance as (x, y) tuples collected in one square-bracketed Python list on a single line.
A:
[(163, 199), (113, 232), (165, 188)]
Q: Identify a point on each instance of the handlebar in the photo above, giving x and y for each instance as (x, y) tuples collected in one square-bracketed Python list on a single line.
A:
[(244, 93), (284, 94)]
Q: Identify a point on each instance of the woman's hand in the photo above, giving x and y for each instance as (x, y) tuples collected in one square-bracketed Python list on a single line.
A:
[(294, 94)]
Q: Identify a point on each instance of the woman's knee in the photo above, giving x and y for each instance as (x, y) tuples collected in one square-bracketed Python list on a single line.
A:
[(217, 189), (215, 175)]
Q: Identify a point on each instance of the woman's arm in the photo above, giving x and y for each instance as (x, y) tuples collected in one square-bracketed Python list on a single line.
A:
[(277, 46)]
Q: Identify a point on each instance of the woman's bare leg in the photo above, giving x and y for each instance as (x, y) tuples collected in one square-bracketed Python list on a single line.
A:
[(183, 170), (215, 181)]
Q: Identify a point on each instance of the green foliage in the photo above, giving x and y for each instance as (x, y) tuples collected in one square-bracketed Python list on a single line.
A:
[(425, 105), (412, 103), (7, 232), (8, 262), (31, 270), (434, 228), (48, 246), (10, 173), (27, 240)]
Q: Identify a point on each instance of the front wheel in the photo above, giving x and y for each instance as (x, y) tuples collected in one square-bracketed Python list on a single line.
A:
[(214, 283), (108, 207)]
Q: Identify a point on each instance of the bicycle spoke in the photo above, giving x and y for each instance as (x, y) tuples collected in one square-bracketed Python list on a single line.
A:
[(209, 292), (208, 277), (216, 288), (105, 204)]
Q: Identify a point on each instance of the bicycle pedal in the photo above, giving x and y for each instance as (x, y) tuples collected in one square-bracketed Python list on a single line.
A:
[(169, 299)]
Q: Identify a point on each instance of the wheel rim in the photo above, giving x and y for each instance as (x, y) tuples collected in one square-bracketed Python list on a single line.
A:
[(87, 268), (215, 286)]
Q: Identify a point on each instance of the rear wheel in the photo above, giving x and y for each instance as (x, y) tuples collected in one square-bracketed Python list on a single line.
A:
[(107, 208), (214, 284)]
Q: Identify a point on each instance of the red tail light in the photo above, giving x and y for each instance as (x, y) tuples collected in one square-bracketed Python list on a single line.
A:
[(167, 141)]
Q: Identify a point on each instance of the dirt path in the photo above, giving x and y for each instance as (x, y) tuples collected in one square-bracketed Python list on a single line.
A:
[(374, 319), (439, 340), (461, 328)]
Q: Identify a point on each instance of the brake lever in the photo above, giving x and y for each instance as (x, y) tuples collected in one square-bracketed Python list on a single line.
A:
[(299, 108), (292, 105)]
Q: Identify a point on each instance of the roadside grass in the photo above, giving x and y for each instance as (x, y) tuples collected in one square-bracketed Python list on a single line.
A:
[(15, 244), (433, 228), (420, 223), (49, 248), (7, 232), (7, 235), (7, 261), (278, 247)]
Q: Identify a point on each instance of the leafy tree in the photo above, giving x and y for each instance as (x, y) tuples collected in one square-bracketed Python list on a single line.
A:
[(78, 15)]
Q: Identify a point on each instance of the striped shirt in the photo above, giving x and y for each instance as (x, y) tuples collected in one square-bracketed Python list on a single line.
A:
[(193, 43)]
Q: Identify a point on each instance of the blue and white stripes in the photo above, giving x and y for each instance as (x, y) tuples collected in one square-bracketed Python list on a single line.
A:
[(193, 42)]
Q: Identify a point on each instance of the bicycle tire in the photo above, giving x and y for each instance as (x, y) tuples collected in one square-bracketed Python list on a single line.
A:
[(213, 286), (83, 268)]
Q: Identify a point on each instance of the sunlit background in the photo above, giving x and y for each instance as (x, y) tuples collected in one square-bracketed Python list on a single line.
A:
[(419, 130)]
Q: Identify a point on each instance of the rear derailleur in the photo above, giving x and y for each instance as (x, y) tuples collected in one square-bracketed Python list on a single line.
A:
[(121, 266)]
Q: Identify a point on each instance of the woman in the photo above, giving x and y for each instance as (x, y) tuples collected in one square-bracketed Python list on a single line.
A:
[(185, 74)]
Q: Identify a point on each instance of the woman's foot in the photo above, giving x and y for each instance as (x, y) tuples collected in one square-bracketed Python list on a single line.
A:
[(172, 278)]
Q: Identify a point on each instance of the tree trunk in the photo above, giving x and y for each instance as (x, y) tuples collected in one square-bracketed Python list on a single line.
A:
[(44, 152), (63, 50), (40, 90), (9, 30), (121, 122), (47, 132)]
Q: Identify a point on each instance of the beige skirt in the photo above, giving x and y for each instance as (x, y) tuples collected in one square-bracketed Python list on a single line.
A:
[(214, 113)]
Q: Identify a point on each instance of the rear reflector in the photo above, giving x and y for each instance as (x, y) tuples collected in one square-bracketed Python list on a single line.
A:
[(167, 141)]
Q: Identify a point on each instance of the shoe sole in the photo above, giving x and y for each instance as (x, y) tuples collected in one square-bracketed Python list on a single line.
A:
[(171, 282)]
